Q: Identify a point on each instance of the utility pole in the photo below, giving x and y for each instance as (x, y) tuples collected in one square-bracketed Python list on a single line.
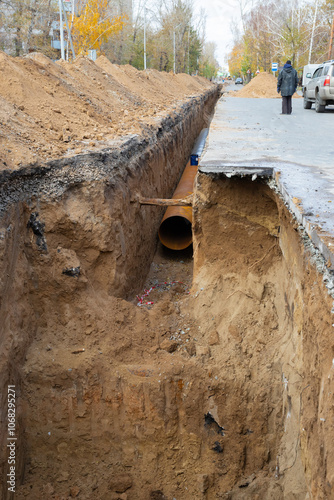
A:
[(68, 30), (62, 48), (331, 40), (313, 28), (188, 50), (61, 27), (145, 37), (174, 50)]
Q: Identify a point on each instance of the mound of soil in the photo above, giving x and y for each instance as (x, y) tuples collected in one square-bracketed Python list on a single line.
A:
[(262, 85), (53, 109)]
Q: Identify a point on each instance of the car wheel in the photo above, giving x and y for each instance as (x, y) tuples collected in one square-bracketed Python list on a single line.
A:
[(319, 108), (307, 103)]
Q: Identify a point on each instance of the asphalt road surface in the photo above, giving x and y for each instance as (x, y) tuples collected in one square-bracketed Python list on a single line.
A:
[(250, 132), (254, 129)]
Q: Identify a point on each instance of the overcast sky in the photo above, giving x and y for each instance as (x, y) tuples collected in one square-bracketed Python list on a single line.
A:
[(219, 16)]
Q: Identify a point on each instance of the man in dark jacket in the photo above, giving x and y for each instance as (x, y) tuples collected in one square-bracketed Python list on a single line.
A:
[(287, 84)]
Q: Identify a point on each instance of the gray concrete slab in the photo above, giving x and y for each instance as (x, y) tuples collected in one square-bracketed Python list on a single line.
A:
[(248, 136)]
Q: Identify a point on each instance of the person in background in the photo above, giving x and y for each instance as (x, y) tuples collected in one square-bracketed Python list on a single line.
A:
[(287, 84)]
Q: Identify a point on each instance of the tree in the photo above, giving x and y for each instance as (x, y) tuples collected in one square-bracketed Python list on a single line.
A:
[(235, 59), (208, 64), (25, 26), (93, 26), (279, 31)]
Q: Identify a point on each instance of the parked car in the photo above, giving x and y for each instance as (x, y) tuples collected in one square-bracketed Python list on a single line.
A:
[(320, 89), (238, 80)]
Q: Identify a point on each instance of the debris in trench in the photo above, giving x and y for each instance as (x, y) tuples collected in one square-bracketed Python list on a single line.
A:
[(218, 447), (38, 229), (72, 271), (163, 287), (157, 495), (169, 346), (209, 422), (248, 481)]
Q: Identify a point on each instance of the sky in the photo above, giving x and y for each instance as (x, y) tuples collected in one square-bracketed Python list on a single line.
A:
[(219, 16)]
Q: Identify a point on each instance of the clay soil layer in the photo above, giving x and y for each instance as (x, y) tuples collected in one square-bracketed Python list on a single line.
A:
[(144, 375), (192, 389)]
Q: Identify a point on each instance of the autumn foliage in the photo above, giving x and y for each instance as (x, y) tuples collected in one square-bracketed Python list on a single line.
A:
[(276, 31), (94, 26)]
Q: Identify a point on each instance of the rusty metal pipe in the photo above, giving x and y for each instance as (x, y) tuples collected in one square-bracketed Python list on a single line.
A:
[(175, 229)]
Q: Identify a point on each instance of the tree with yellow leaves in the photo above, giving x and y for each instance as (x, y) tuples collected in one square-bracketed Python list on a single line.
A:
[(235, 59), (94, 25)]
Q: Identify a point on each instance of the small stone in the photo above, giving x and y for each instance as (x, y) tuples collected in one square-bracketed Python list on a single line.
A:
[(204, 482), (48, 490), (66, 135), (168, 345), (214, 338), (118, 496), (191, 349), (120, 483), (157, 495), (74, 491)]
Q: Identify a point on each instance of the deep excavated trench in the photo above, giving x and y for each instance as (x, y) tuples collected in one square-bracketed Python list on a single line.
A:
[(217, 385)]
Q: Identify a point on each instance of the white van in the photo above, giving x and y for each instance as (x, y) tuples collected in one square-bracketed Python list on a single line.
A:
[(308, 71)]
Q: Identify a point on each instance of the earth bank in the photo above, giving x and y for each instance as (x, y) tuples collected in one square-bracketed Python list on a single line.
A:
[(218, 385)]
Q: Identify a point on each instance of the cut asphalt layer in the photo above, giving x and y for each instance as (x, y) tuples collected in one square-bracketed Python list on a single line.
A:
[(250, 137)]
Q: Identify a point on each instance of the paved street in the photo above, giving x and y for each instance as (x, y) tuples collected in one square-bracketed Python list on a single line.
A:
[(250, 132)]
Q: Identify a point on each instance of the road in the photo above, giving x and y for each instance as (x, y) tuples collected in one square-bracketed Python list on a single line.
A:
[(254, 129), (250, 132)]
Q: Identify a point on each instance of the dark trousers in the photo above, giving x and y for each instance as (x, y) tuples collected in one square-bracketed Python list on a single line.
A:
[(286, 105)]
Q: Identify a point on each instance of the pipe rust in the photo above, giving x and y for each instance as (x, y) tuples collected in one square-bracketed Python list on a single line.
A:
[(175, 230)]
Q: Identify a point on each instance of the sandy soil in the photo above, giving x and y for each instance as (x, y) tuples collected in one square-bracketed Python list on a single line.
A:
[(58, 109), (190, 389), (193, 388)]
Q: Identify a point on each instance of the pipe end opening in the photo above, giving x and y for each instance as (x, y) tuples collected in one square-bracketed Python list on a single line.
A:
[(176, 233)]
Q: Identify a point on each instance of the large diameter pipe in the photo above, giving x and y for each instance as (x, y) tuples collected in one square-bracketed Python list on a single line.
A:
[(199, 145), (175, 229)]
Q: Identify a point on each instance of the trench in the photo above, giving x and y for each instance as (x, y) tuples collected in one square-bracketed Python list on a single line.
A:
[(145, 373)]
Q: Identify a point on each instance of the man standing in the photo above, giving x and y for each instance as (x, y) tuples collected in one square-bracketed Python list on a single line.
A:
[(287, 84)]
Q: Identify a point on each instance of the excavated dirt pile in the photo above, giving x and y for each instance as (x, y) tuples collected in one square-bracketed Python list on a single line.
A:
[(143, 374), (262, 85), (58, 109)]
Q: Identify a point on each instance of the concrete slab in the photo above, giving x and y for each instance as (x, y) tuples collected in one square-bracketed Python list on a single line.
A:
[(249, 136)]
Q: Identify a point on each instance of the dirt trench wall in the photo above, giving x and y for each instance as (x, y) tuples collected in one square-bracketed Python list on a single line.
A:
[(263, 294), (72, 228), (221, 410)]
